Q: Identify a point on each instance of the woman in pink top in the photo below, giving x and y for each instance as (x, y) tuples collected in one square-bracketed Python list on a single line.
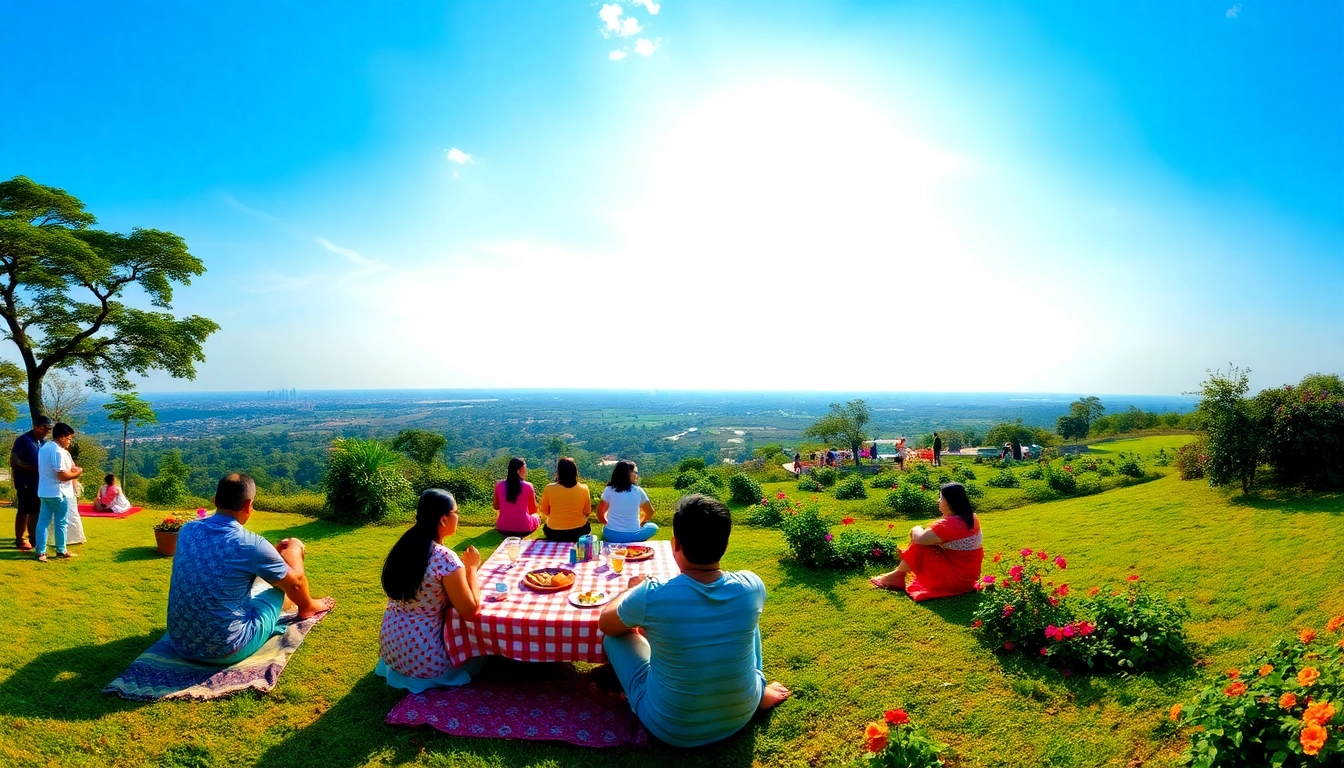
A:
[(516, 502)]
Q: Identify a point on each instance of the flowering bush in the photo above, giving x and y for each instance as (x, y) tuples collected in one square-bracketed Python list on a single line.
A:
[(911, 501), (1023, 609), (1285, 709), (827, 476), (172, 523), (1130, 468), (807, 532), (770, 511), (1191, 459), (896, 742), (1004, 478), (851, 488), (885, 480), (1060, 479), (743, 489)]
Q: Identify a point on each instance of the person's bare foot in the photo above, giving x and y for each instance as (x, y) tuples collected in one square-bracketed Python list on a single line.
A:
[(318, 606), (774, 694), (881, 583)]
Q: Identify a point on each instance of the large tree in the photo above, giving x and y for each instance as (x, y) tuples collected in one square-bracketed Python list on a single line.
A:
[(845, 423), (1087, 410), (62, 291)]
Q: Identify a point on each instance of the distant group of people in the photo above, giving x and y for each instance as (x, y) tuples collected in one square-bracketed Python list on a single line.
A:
[(47, 490)]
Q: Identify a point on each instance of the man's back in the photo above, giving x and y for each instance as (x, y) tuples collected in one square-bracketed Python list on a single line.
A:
[(216, 563), (705, 678)]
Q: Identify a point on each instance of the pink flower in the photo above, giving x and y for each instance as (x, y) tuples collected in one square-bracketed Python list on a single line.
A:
[(1061, 563), (1045, 651), (1042, 555), (989, 579), (1015, 572), (877, 552), (1063, 590), (1085, 628), (200, 512), (1007, 611), (1052, 632), (780, 495), (828, 537), (1054, 602), (1067, 631), (1026, 553)]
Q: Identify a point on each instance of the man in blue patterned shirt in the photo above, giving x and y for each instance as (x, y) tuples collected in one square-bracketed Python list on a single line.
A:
[(229, 585)]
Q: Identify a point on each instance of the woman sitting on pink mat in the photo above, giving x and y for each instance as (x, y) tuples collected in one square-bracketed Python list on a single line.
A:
[(110, 498)]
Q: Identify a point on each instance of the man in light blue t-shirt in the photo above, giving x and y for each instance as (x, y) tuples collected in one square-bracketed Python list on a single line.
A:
[(229, 585), (694, 676)]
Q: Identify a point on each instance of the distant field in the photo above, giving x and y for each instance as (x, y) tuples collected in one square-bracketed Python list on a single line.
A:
[(1143, 444), (1252, 569)]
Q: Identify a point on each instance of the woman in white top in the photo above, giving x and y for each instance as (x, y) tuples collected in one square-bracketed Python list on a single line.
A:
[(625, 510), (56, 473)]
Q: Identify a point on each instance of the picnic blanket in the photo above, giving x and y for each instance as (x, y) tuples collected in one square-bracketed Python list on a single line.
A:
[(86, 510), (558, 710), (159, 673)]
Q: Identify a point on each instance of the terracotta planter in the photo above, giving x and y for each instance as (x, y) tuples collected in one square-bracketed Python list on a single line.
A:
[(166, 541)]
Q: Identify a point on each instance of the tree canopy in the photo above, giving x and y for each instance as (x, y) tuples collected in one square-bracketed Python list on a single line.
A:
[(62, 290), (421, 445), (845, 423)]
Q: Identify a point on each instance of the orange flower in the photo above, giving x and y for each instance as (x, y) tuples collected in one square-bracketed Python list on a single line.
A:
[(1093, 592), (1235, 689), (1335, 623), (1288, 700), (1265, 670), (1307, 676), (1233, 674), (1175, 712), (875, 737), (1312, 738), (1306, 635), (1318, 713)]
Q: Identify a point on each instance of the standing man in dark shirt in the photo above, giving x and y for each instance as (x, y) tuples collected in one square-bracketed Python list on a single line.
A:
[(23, 467), (937, 450)]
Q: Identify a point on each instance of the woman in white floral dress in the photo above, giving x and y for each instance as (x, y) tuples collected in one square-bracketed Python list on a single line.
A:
[(422, 578)]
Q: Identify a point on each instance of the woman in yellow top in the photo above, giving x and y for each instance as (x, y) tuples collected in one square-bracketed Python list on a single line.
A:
[(565, 504)]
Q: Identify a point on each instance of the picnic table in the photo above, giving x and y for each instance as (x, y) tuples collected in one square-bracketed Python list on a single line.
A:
[(540, 626)]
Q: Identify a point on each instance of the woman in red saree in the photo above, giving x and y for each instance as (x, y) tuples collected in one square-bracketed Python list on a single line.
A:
[(945, 557)]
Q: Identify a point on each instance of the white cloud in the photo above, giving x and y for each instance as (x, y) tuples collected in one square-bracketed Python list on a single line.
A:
[(617, 55), (354, 257), (646, 47), (456, 155), (616, 23), (1234, 11), (649, 5)]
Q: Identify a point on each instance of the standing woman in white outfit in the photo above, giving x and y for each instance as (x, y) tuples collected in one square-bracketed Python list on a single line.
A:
[(74, 524), (56, 473)]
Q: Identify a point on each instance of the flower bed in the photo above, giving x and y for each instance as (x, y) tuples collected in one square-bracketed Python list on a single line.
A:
[(812, 543), (1286, 708), (1023, 610), (896, 742)]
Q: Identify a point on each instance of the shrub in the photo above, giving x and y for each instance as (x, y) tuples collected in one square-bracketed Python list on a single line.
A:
[(1088, 485), (827, 476), (687, 479), (693, 464), (1130, 468), (897, 743), (1039, 491), (963, 474), (1106, 470), (769, 512), (363, 482), (1303, 430), (1191, 459), (1285, 708), (809, 484), (854, 549), (707, 488), (467, 484), (1022, 610), (1034, 472), (1004, 478), (851, 488), (744, 490), (912, 502), (885, 480), (808, 536), (1060, 480), (974, 491), (169, 486)]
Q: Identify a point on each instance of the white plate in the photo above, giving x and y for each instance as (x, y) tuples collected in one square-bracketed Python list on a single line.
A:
[(607, 596)]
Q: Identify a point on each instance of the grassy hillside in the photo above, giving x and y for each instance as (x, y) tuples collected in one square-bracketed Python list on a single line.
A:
[(1251, 568)]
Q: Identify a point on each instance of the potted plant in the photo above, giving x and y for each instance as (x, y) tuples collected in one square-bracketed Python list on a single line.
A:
[(165, 534)]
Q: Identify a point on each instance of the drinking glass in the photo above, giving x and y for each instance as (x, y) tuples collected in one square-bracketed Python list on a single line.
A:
[(513, 548), (617, 560)]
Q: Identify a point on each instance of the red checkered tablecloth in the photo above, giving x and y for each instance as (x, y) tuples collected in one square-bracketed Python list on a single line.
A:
[(533, 626)]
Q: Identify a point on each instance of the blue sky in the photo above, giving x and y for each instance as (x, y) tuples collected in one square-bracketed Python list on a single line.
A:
[(1107, 197)]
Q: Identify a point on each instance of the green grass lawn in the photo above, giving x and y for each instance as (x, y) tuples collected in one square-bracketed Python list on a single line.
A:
[(1252, 569)]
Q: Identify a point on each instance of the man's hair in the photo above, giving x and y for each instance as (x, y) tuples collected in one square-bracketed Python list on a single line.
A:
[(43, 421), (61, 430), (701, 525), (235, 490)]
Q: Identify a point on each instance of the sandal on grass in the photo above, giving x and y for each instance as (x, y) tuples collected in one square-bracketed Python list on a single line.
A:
[(67, 555), (42, 558)]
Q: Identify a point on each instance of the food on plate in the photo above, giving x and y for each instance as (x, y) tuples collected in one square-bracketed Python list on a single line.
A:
[(561, 580), (549, 579), (636, 552), (590, 598)]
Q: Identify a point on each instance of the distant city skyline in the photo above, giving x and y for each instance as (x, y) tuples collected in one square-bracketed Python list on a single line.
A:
[(846, 196)]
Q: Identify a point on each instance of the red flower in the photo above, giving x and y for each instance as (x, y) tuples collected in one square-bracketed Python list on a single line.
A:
[(780, 495), (1235, 689), (1133, 577), (875, 737), (1026, 553), (897, 717), (1042, 555), (998, 556), (977, 624), (877, 552), (1062, 590), (1008, 646), (1007, 611), (847, 521), (1045, 651), (1015, 572), (890, 526), (1061, 563)]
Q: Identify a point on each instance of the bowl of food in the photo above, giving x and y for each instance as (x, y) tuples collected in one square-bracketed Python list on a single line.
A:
[(548, 579)]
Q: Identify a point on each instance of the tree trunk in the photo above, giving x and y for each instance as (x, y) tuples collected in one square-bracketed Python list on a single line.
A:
[(35, 408), (125, 425), (855, 448)]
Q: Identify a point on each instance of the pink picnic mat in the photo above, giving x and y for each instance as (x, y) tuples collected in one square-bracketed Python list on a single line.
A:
[(86, 510), (574, 711)]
